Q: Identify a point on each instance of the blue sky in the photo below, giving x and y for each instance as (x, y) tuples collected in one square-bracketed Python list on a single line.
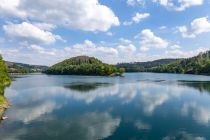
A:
[(46, 32)]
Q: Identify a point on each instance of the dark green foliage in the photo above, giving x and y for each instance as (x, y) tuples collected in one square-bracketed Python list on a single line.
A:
[(196, 65), (4, 81), (143, 66), (4, 77), (82, 65)]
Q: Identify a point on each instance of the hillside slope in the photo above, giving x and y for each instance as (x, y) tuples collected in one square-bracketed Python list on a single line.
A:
[(14, 67), (83, 65), (143, 66), (199, 64)]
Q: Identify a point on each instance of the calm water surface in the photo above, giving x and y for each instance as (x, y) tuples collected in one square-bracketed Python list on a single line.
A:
[(139, 106)]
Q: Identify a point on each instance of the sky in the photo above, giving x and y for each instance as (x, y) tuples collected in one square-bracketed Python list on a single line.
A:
[(114, 31)]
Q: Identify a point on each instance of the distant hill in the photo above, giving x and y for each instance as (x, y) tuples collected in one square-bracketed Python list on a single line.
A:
[(143, 66), (14, 67), (199, 64), (83, 65)]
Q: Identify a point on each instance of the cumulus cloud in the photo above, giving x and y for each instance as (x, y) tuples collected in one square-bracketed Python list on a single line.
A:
[(31, 33), (135, 2), (125, 41), (175, 46), (180, 5), (162, 27), (41, 50), (130, 48), (150, 40), (88, 15), (89, 48), (109, 33), (198, 26), (178, 53), (138, 17)]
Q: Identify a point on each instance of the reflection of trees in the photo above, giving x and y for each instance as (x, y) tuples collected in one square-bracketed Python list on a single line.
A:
[(202, 86), (85, 87)]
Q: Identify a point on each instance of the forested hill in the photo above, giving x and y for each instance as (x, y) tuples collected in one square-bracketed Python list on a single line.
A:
[(199, 64), (143, 66), (14, 67), (83, 65)]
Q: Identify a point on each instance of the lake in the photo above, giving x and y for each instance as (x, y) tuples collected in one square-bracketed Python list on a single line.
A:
[(138, 106)]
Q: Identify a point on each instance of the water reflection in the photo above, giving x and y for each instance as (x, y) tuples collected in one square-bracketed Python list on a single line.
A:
[(138, 109), (141, 125), (183, 136), (200, 113), (202, 86), (85, 87), (87, 126)]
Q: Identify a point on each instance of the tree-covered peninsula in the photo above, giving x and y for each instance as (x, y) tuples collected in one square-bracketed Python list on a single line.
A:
[(84, 65)]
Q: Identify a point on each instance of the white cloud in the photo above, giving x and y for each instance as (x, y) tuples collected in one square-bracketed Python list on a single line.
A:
[(41, 50), (44, 26), (125, 41), (130, 48), (188, 3), (89, 48), (138, 17), (30, 33), (9, 7), (175, 46), (109, 33), (162, 27), (177, 53), (149, 40), (88, 15), (135, 2), (198, 26), (127, 23), (180, 5)]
